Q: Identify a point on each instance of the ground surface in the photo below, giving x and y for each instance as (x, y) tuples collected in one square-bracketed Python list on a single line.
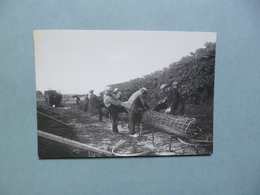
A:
[(89, 130)]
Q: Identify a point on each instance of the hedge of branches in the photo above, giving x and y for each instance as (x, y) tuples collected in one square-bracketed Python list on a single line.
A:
[(195, 74)]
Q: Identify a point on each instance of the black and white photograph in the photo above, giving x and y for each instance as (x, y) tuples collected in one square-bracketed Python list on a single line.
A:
[(113, 93)]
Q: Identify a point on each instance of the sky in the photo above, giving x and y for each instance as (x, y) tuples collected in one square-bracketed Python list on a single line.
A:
[(76, 61)]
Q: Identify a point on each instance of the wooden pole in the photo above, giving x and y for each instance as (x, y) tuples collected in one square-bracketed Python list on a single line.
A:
[(73, 143), (54, 119)]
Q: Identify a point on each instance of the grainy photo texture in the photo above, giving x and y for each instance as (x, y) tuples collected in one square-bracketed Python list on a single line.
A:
[(124, 93)]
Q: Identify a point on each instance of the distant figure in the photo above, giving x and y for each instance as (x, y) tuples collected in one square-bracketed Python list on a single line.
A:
[(113, 105), (174, 101), (47, 100), (95, 104), (86, 102), (118, 95), (104, 109), (133, 105), (77, 100)]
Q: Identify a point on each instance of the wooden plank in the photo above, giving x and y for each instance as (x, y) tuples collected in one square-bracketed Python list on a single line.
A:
[(54, 119), (73, 143)]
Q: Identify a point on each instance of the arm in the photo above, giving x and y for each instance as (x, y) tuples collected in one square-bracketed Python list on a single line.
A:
[(143, 102), (110, 100), (115, 102)]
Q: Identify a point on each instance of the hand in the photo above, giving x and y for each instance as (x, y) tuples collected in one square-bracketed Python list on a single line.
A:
[(162, 101), (122, 104), (168, 110)]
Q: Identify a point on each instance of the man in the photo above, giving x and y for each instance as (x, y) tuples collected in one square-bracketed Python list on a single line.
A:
[(113, 105), (174, 101), (77, 100), (95, 104), (104, 109), (86, 101), (118, 95), (133, 105)]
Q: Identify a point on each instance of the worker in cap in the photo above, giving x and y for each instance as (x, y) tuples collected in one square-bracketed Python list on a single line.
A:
[(133, 105), (86, 102), (114, 106), (174, 102)]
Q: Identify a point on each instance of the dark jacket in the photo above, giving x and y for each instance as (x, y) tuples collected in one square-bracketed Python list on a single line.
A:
[(175, 101), (86, 100), (94, 102)]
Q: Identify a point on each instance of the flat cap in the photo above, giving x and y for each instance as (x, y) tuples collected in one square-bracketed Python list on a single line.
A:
[(175, 83), (163, 86)]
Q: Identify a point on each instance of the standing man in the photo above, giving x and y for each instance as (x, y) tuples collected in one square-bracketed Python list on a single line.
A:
[(174, 101), (119, 96), (135, 102), (113, 105), (86, 101), (95, 104), (104, 109), (77, 100)]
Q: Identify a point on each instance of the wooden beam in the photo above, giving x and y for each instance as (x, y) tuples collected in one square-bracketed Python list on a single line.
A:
[(73, 143), (53, 119)]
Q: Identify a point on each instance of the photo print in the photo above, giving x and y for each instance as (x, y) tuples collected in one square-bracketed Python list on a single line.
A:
[(104, 93)]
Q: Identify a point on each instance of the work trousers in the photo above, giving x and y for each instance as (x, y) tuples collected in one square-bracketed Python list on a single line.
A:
[(113, 111), (95, 110), (86, 108), (133, 117), (99, 112)]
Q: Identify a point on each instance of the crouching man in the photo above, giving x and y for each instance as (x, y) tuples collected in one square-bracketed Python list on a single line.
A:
[(133, 105), (114, 106)]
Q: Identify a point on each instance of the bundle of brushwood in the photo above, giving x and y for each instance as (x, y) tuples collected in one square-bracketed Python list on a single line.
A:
[(178, 125)]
